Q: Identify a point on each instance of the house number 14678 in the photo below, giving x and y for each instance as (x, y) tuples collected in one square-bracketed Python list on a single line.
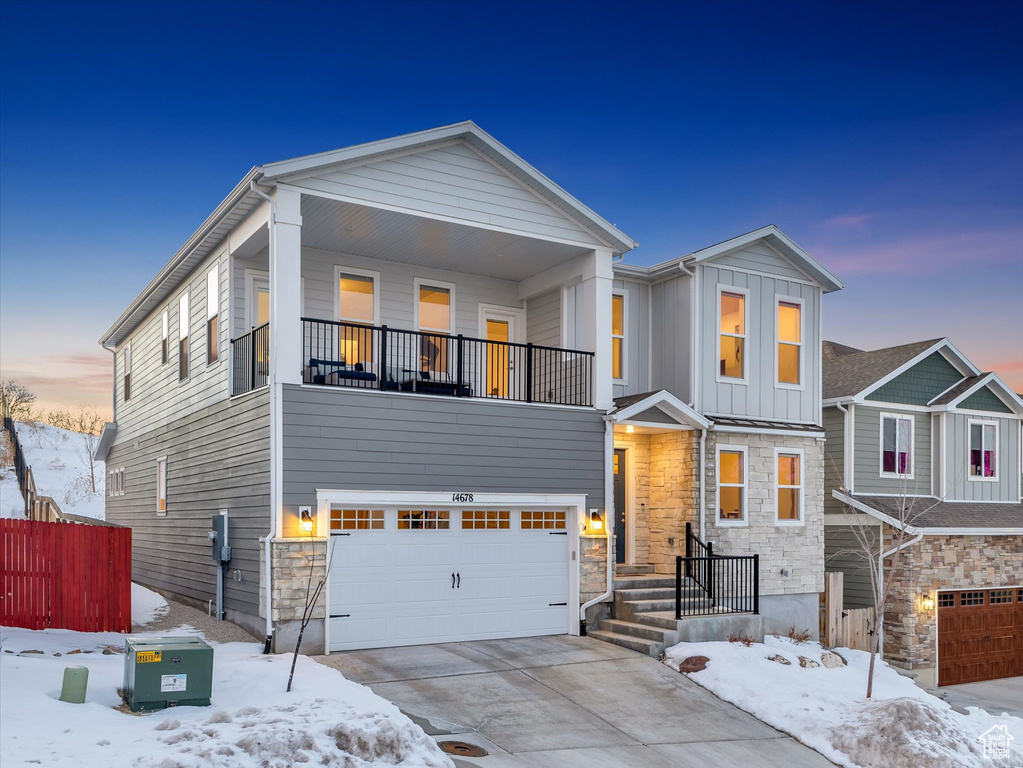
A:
[(461, 497)]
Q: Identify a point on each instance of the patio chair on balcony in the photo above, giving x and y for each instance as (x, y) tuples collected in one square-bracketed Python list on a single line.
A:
[(337, 372)]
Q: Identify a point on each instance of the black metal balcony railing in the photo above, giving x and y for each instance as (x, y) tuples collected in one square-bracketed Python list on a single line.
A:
[(725, 583), (250, 354), (377, 357)]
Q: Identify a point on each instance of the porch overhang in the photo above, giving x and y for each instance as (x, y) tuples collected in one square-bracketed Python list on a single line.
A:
[(106, 439), (655, 412)]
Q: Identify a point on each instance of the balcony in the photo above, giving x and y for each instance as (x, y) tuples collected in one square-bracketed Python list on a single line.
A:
[(368, 357)]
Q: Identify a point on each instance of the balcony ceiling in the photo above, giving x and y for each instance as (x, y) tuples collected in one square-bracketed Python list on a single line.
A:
[(332, 225)]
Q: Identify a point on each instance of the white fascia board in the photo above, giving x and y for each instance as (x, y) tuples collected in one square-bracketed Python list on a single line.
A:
[(106, 440), (1010, 398), (859, 396), (961, 361), (666, 402), (477, 138)]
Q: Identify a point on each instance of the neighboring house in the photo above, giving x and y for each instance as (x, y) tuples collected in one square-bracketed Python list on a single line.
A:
[(421, 356), (919, 439)]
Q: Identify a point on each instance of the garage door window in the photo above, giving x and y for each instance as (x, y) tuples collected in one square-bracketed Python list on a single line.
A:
[(946, 599), (356, 519), (1001, 596), (543, 520), (423, 520), (485, 519), (971, 598)]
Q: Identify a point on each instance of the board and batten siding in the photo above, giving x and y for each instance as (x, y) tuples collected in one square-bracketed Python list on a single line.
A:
[(959, 486), (671, 336), (397, 290), (218, 457), (637, 337), (867, 445), (453, 181), (843, 553), (760, 396), (157, 396), (348, 440), (543, 319)]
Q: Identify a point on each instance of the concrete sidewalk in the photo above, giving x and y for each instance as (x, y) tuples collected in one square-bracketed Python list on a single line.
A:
[(567, 702)]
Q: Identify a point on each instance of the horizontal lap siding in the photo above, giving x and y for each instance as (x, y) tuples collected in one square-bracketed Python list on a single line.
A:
[(867, 445), (543, 319), (1006, 487), (158, 397), (217, 458), (397, 290), (834, 457), (381, 441), (452, 181), (844, 553)]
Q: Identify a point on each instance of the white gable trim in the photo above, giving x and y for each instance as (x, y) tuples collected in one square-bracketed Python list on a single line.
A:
[(1010, 398), (666, 402), (939, 346)]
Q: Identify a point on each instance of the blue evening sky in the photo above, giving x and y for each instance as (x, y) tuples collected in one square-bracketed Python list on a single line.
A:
[(885, 138)]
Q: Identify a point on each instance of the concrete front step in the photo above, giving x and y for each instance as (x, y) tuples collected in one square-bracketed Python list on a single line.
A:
[(635, 629), (635, 607), (659, 593), (632, 570), (643, 582), (649, 647)]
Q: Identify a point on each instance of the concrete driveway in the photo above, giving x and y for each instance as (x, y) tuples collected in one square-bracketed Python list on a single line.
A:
[(993, 696), (567, 702)]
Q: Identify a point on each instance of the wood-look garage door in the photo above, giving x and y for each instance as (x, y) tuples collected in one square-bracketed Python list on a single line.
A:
[(980, 635)]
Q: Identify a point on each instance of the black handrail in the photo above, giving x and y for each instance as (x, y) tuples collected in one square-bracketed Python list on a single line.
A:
[(250, 355), (343, 354), (731, 584)]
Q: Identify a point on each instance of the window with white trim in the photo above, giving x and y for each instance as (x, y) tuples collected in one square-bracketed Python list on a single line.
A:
[(165, 343), (356, 519), (790, 342), (357, 305), (618, 336), (115, 482), (788, 486), (732, 339), (434, 304), (424, 520), (896, 445), (213, 315), (731, 491), (183, 323), (983, 450), (161, 487), (127, 371)]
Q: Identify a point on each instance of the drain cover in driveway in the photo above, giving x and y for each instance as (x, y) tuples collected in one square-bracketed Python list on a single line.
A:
[(462, 749)]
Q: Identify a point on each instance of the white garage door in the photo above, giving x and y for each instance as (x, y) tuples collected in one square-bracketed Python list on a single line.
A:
[(414, 576)]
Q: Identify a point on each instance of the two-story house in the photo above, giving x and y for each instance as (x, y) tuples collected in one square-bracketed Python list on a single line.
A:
[(920, 440), (418, 369)]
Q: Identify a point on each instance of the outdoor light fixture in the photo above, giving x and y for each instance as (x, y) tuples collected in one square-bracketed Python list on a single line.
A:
[(306, 521), (596, 521), (927, 603), (629, 428)]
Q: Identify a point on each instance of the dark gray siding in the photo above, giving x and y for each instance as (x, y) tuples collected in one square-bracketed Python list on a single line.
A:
[(843, 553), (217, 458), (346, 440)]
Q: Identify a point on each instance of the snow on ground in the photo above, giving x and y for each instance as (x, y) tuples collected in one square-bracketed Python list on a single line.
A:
[(146, 605), (56, 457), (902, 726), (252, 723)]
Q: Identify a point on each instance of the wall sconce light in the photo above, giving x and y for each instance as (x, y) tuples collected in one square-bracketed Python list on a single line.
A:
[(630, 428), (596, 521), (306, 521), (927, 603)]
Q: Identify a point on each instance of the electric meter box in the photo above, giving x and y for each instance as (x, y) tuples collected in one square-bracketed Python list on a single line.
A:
[(162, 672)]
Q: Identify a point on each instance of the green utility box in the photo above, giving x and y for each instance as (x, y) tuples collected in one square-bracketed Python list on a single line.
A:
[(162, 672)]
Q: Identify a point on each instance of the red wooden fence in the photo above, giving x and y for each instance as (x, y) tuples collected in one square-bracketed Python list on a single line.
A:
[(60, 575)]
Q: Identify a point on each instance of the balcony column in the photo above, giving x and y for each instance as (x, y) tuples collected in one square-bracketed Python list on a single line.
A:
[(597, 284), (286, 289)]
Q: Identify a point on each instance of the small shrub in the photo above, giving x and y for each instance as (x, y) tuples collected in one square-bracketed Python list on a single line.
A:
[(744, 639), (799, 636)]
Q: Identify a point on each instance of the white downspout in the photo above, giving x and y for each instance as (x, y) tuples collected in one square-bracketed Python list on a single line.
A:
[(274, 480), (609, 445), (692, 344), (703, 483)]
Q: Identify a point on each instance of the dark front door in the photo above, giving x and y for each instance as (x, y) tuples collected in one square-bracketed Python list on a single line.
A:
[(620, 505)]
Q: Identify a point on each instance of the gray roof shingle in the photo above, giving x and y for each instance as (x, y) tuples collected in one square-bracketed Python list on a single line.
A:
[(933, 513), (957, 390), (852, 372)]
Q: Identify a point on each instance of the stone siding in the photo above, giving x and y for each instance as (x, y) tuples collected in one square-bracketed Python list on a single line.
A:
[(674, 494), (638, 448), (294, 563), (796, 549), (937, 563), (592, 567)]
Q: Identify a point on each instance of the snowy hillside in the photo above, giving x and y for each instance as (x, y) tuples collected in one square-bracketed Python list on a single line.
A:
[(60, 466)]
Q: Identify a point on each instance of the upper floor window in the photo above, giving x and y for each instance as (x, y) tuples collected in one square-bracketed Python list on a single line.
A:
[(618, 335), (127, 372), (356, 304), (983, 457), (731, 461), (433, 313), (732, 340), (183, 322), (896, 445), (213, 315), (789, 486), (790, 342), (165, 328)]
